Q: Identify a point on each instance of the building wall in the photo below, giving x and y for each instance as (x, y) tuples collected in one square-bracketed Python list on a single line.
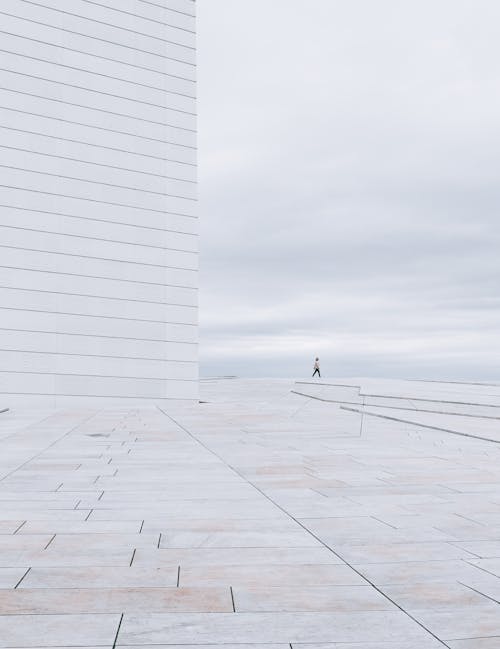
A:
[(98, 222)]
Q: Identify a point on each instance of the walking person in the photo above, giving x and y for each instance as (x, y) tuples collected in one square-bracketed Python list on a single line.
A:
[(316, 368)]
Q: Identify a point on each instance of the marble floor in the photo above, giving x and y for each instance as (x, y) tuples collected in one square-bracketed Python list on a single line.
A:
[(275, 514)]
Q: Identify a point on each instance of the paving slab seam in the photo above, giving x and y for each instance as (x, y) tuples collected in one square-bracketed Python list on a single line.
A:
[(381, 405), (20, 526), (118, 631), (22, 578), (483, 569), (420, 425), (232, 598), (429, 400), (492, 599), (360, 574)]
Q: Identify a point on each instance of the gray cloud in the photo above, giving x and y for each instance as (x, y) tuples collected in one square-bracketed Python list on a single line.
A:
[(349, 187)]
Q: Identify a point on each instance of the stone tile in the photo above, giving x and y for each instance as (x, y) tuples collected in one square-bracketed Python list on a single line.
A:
[(234, 556), (246, 539), (482, 549), (210, 646), (490, 565), (429, 643), (434, 595), (310, 598), (103, 542), (55, 558), (24, 544), (260, 628), (99, 577), (42, 601), (428, 572), (31, 631), (219, 524), (269, 575), (81, 527), (40, 514), (400, 552), (366, 529), (474, 622), (188, 509), (475, 643)]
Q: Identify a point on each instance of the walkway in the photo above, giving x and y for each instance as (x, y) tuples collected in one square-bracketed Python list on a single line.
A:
[(262, 519)]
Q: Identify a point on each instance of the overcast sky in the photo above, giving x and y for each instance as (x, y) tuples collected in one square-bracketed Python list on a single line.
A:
[(349, 187)]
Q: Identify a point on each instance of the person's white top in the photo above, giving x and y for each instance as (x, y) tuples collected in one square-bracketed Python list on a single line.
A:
[(316, 365)]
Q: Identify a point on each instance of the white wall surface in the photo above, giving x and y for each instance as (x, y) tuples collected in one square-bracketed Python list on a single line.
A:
[(98, 216)]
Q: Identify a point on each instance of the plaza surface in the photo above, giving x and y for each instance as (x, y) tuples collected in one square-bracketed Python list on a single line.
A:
[(274, 514)]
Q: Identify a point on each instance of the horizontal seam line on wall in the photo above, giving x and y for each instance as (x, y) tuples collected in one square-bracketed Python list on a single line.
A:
[(109, 279), (177, 11), (96, 38), (92, 258), (99, 376), (99, 396), (98, 128), (107, 94), (96, 297), (96, 164), (128, 358), (86, 237), (151, 20), (102, 22), (89, 218), (104, 317), (98, 74), (107, 112), (95, 200), (69, 333), (97, 56), (97, 182), (98, 146)]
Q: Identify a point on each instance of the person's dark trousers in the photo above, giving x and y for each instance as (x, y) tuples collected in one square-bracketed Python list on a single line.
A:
[(314, 373)]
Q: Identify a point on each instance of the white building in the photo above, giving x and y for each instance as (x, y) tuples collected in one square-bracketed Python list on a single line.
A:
[(98, 222)]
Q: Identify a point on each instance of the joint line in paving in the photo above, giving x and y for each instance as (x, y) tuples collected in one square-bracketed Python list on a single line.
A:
[(492, 599), (483, 569), (118, 631), (419, 425), (22, 578), (17, 530), (232, 598)]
